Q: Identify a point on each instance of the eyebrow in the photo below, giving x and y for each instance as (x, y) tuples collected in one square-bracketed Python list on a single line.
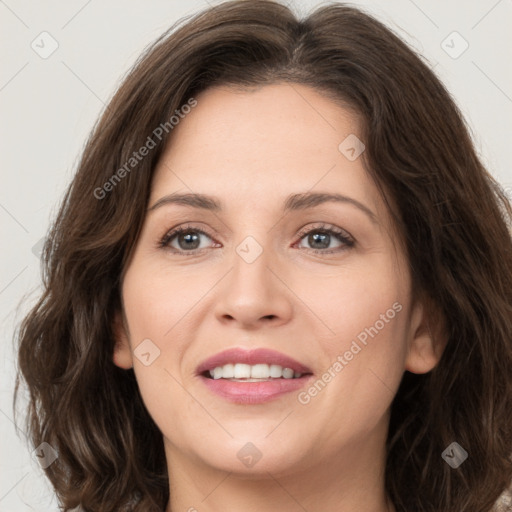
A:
[(293, 202)]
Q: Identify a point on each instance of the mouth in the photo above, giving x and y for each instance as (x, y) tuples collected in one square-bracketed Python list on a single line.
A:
[(251, 377)]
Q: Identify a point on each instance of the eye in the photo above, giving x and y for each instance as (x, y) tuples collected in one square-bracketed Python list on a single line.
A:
[(321, 238), (185, 240)]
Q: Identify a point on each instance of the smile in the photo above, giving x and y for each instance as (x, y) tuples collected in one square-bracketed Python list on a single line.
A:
[(252, 377)]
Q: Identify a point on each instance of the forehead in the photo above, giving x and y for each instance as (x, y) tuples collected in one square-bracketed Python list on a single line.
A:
[(261, 144)]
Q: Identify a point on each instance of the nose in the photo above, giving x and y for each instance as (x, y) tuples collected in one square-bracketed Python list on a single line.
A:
[(254, 294)]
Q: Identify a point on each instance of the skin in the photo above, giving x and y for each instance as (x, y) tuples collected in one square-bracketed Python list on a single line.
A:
[(251, 149)]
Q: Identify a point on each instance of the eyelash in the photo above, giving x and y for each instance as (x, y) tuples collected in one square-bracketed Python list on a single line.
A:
[(321, 228)]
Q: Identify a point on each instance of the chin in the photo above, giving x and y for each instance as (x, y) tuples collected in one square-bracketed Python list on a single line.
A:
[(254, 456)]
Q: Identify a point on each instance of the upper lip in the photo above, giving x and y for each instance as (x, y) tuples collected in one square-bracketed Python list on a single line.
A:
[(251, 357)]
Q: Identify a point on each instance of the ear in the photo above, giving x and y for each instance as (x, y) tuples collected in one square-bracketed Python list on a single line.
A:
[(426, 343), (122, 356)]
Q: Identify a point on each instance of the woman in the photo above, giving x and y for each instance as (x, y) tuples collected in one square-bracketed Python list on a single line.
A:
[(281, 279)]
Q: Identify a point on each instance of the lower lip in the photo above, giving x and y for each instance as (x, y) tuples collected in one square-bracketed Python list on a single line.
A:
[(254, 392)]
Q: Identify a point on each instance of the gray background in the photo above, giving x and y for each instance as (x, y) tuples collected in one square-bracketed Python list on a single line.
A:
[(48, 106)]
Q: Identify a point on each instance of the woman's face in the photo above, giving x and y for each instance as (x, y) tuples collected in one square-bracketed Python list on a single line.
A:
[(276, 265)]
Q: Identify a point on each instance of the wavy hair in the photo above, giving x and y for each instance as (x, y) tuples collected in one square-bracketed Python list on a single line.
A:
[(453, 218)]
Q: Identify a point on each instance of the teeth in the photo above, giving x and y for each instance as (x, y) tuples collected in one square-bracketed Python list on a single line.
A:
[(217, 373), (287, 373), (260, 371), (227, 371), (276, 371), (253, 373), (242, 371)]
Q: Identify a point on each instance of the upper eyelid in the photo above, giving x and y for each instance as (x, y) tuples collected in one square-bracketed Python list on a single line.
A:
[(301, 231), (171, 233), (326, 227)]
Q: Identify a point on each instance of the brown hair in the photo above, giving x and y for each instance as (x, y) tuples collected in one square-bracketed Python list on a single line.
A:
[(452, 214)]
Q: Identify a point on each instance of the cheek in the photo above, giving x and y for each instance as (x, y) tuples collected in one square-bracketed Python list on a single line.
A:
[(159, 299), (156, 305), (365, 349), (367, 303), (162, 305)]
